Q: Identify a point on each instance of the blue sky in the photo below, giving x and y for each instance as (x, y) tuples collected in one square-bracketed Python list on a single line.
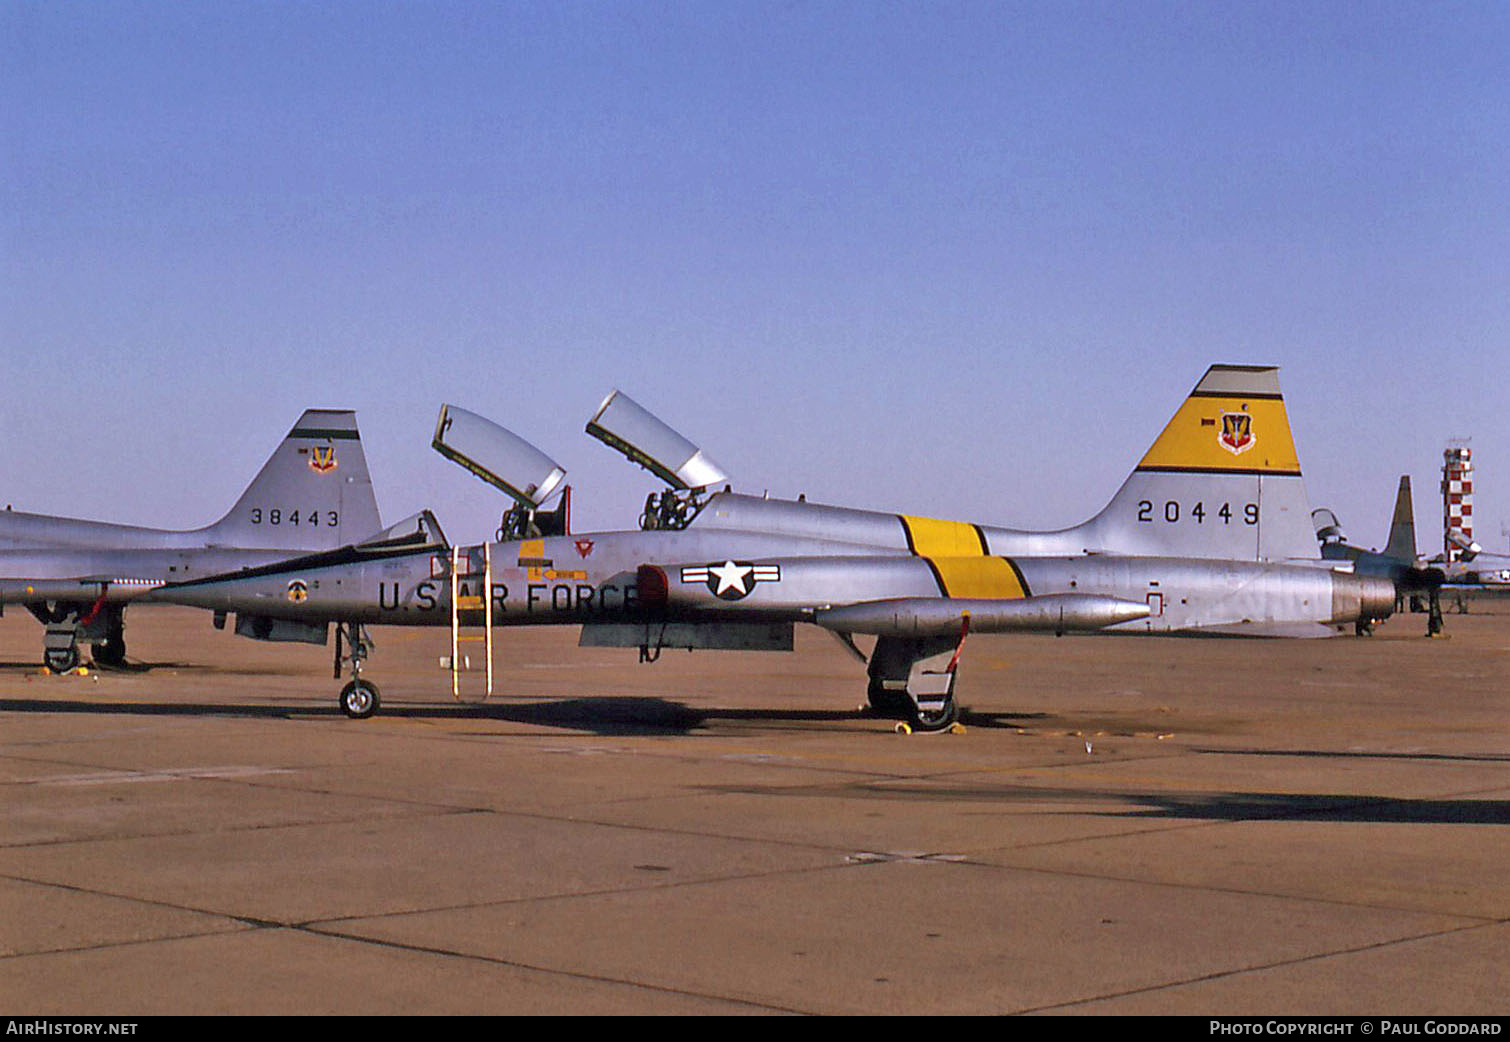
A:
[(960, 260)]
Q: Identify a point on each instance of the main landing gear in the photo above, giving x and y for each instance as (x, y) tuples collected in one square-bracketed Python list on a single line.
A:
[(912, 679), (67, 623), (61, 660), (1434, 614), (359, 698), (111, 650)]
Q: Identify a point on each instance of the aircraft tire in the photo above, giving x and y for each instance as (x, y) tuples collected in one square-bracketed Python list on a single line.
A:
[(930, 722), (359, 699), (110, 652), (61, 660)]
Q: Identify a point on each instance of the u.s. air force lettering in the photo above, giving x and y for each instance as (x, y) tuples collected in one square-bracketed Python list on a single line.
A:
[(535, 598)]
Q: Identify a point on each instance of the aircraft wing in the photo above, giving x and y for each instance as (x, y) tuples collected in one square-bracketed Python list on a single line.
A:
[(248, 588), (421, 529)]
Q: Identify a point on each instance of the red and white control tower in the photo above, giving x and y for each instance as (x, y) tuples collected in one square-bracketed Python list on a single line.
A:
[(1457, 499)]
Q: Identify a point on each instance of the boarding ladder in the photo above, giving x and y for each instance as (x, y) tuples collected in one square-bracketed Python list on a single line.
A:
[(471, 606)]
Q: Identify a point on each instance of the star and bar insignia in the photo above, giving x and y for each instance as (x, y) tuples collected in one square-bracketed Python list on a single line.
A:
[(732, 579)]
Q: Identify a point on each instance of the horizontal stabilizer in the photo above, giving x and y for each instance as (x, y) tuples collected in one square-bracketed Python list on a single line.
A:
[(1288, 630)]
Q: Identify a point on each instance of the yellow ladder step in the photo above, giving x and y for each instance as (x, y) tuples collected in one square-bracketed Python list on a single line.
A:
[(471, 604)]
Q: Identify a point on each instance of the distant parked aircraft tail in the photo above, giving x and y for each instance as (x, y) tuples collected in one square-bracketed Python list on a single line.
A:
[(314, 492), (1402, 527)]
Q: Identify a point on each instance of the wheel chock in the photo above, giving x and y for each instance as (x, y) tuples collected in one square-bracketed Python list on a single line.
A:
[(903, 727)]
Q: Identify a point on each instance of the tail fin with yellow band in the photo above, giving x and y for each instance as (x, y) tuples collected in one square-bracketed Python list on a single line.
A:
[(1222, 481)]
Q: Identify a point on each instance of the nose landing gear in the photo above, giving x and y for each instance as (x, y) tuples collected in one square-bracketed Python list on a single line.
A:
[(359, 698)]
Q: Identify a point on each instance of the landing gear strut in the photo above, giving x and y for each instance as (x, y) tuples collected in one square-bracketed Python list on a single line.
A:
[(359, 698), (111, 651), (893, 705), (913, 678), (60, 642)]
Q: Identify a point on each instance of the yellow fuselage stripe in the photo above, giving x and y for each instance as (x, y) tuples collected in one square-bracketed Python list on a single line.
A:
[(957, 554), (929, 538), (978, 578)]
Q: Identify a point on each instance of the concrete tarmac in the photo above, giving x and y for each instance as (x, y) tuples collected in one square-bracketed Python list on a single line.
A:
[(1127, 825)]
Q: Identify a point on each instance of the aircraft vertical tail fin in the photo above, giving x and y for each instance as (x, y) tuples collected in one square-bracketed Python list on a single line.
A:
[(1402, 526), (313, 493), (1221, 481)]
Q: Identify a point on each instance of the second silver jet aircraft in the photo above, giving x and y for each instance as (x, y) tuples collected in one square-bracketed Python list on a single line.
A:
[(1210, 534)]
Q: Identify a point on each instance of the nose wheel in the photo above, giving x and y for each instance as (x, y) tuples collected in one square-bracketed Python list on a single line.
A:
[(359, 699)]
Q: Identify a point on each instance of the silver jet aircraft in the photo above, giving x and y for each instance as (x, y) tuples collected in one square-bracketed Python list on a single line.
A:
[(1475, 572), (1210, 534), (77, 576), (1412, 575)]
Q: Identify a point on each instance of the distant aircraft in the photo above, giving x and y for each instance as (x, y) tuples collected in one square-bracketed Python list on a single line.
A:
[(1210, 534), (1416, 578), (1475, 566), (76, 576), (1398, 561)]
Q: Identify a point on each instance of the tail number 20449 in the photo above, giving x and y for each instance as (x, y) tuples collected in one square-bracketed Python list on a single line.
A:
[(1173, 511)]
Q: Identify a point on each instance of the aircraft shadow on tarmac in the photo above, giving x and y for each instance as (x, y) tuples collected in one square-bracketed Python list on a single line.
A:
[(653, 716), (130, 667), (1308, 807), (1297, 808), (606, 715)]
